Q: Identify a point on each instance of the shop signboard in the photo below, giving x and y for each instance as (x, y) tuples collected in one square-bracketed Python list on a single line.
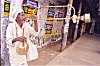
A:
[(60, 15), (29, 8), (32, 3), (6, 8), (49, 22)]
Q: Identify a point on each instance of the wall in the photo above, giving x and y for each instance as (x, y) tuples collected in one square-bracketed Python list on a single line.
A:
[(57, 25)]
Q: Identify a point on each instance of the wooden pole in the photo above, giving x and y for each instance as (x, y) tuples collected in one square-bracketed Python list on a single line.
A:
[(55, 18), (77, 23), (51, 6), (66, 26)]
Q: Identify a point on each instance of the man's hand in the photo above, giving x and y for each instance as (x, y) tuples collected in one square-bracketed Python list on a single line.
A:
[(21, 39), (34, 17)]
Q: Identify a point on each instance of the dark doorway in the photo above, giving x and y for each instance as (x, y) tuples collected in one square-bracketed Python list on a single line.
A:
[(97, 26)]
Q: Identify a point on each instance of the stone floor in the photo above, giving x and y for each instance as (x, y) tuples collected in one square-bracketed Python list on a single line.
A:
[(83, 52)]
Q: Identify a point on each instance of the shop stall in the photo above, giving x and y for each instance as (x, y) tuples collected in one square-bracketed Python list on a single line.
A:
[(50, 29)]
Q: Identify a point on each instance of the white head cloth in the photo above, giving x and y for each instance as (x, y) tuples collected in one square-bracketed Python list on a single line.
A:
[(16, 12)]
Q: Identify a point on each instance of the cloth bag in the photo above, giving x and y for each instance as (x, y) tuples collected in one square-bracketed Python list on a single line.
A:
[(22, 50), (32, 54)]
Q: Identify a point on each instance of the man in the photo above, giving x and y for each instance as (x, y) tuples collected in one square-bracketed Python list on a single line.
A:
[(92, 26), (14, 35)]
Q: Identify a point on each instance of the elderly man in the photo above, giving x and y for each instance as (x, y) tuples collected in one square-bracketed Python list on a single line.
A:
[(14, 36)]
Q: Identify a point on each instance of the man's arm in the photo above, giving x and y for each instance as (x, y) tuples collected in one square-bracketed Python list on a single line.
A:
[(9, 35), (33, 30), (21, 39), (14, 40), (35, 23), (35, 26)]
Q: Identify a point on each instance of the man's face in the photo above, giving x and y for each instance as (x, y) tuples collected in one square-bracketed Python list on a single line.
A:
[(21, 18)]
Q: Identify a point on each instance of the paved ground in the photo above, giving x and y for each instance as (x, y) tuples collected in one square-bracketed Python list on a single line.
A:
[(46, 54), (83, 52)]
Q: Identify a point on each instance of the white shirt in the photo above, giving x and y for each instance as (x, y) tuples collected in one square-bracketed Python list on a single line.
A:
[(11, 34)]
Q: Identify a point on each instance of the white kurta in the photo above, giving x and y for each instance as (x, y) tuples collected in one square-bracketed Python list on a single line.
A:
[(11, 34)]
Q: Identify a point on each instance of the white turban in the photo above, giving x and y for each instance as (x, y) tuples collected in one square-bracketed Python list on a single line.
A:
[(16, 12)]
